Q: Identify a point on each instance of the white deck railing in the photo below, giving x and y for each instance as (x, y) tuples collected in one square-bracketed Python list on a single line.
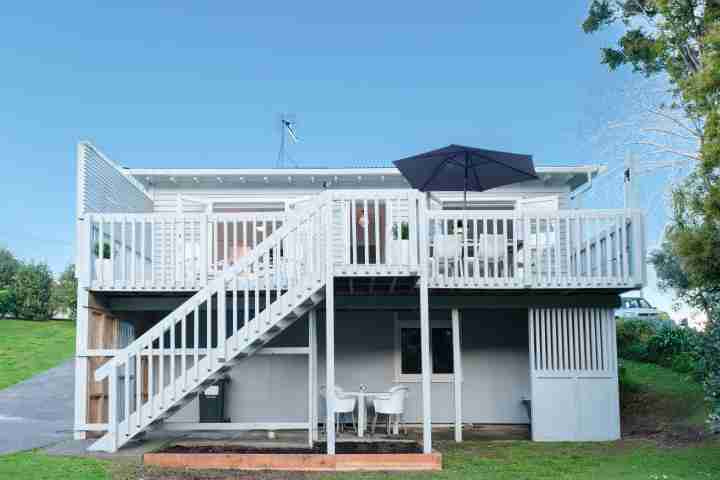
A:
[(542, 249), (377, 234), (235, 314), (170, 252)]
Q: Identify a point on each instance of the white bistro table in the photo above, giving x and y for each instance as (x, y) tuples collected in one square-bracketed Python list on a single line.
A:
[(362, 409)]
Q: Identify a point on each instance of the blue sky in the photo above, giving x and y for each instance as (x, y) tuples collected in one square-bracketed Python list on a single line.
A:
[(183, 85)]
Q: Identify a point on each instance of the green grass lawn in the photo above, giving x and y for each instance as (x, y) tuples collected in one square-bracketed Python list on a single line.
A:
[(27, 348), (627, 459), (655, 397), (38, 466)]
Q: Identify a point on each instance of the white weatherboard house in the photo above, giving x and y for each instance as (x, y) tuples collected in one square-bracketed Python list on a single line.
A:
[(289, 282)]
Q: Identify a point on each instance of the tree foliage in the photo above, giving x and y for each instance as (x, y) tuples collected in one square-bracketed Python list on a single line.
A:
[(681, 38), (7, 303), (673, 277), (8, 266), (32, 287), (64, 296)]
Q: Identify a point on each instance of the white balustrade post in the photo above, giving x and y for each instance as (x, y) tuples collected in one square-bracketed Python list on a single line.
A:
[(525, 226), (204, 246), (416, 215), (84, 252), (112, 408), (329, 336), (312, 383), (638, 247), (222, 318)]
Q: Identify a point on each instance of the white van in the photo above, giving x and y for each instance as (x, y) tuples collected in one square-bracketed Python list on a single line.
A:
[(637, 307)]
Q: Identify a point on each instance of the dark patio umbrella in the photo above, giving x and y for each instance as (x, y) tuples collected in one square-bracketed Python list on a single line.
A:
[(456, 168)]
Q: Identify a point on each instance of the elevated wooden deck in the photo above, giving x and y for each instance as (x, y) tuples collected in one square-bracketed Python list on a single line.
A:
[(386, 234)]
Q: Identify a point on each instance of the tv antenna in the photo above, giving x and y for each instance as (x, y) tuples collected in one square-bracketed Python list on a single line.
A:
[(288, 136)]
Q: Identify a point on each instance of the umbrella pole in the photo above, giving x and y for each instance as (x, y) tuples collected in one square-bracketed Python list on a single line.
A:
[(467, 159)]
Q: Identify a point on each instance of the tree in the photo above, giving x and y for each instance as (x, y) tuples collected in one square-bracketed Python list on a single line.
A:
[(32, 287), (672, 277), (65, 292), (681, 39), (8, 267)]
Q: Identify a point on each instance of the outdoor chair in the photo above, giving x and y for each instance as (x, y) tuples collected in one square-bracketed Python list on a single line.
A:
[(392, 406), (344, 404), (447, 255)]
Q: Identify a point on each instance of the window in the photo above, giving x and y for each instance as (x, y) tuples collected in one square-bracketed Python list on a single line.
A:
[(408, 365), (636, 303)]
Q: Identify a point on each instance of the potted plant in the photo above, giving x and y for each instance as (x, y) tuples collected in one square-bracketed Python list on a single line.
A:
[(103, 263), (401, 243)]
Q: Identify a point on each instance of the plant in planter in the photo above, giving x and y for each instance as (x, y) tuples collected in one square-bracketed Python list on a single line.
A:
[(103, 264), (105, 248), (401, 243), (401, 231)]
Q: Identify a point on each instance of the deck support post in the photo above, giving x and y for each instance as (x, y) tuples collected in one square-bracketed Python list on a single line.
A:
[(81, 362), (84, 277), (312, 376), (330, 366), (329, 336), (457, 374), (426, 364)]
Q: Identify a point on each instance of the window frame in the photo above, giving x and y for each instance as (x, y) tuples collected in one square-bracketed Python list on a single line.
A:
[(414, 377)]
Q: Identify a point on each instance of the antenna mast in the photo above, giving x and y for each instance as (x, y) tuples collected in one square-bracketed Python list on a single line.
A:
[(287, 135)]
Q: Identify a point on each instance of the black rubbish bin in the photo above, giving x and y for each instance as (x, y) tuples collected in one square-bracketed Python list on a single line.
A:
[(212, 403)]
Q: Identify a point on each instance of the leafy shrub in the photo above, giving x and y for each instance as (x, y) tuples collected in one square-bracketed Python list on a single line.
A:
[(665, 344), (632, 338), (668, 342), (636, 351), (684, 362), (7, 303)]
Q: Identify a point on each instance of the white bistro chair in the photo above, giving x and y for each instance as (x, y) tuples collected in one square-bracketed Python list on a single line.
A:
[(447, 251), (393, 406), (343, 404)]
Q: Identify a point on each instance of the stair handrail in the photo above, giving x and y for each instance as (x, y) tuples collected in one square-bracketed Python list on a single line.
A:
[(214, 285)]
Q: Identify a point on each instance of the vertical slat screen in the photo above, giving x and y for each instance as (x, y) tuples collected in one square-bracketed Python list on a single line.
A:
[(571, 339)]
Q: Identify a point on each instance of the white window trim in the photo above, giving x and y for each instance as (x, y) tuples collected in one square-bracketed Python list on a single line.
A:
[(508, 204), (246, 202), (416, 378)]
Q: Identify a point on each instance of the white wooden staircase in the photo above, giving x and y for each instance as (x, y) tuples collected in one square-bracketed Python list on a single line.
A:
[(229, 319)]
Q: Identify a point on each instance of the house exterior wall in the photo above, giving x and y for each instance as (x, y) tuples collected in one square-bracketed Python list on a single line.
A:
[(273, 388), (185, 199), (103, 187)]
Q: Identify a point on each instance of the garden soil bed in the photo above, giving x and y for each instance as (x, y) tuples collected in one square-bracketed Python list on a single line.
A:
[(350, 456)]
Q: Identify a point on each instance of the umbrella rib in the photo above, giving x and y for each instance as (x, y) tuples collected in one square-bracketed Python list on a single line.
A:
[(435, 173), (508, 166), (477, 179)]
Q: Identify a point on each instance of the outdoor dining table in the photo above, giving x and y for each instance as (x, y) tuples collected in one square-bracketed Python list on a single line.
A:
[(362, 410)]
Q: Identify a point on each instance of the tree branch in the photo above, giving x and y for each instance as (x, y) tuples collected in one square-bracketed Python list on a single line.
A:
[(666, 149)]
